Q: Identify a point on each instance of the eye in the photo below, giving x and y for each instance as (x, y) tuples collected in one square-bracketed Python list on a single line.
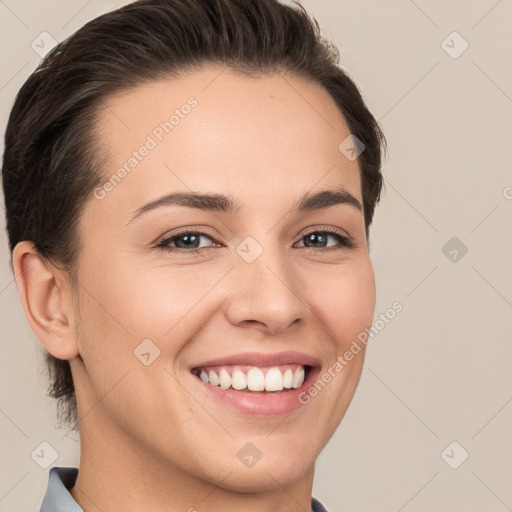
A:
[(189, 241), (318, 239), (185, 241)]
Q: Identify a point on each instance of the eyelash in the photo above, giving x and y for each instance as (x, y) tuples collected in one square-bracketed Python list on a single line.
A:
[(345, 241)]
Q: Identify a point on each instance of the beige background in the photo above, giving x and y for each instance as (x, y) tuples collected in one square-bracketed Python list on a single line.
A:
[(439, 372)]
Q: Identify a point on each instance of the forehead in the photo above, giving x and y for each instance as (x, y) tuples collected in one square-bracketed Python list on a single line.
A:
[(214, 130)]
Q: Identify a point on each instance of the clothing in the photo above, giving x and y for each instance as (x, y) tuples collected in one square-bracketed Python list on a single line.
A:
[(58, 499)]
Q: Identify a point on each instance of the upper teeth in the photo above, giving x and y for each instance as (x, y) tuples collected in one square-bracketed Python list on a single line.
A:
[(254, 379)]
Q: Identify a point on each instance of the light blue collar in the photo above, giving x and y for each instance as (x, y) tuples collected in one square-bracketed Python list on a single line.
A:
[(57, 497)]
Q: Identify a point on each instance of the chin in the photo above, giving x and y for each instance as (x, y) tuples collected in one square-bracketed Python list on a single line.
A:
[(276, 467), (264, 477)]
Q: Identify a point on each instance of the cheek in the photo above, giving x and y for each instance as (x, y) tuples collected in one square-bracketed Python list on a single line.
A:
[(121, 310), (344, 300), (151, 301)]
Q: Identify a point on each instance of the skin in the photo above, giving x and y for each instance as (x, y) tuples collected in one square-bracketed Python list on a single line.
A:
[(149, 440)]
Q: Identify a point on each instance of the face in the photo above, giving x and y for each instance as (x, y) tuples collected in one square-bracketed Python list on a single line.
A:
[(253, 287)]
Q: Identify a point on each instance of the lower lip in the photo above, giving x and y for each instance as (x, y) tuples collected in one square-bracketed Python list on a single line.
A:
[(260, 404)]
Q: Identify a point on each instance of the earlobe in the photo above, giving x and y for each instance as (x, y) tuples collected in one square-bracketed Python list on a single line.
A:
[(46, 298)]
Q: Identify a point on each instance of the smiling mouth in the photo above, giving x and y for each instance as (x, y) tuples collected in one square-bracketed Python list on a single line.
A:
[(254, 379)]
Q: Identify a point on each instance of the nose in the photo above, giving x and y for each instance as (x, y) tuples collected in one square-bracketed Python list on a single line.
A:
[(265, 295)]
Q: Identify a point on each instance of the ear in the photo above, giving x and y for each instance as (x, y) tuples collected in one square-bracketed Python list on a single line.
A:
[(47, 299)]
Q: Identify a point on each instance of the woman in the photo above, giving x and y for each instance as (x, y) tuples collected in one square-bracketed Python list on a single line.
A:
[(189, 187)]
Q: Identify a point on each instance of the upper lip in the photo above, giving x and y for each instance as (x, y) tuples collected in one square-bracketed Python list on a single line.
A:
[(263, 359)]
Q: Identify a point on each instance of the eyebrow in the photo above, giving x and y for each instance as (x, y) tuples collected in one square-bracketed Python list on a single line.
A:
[(227, 204)]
